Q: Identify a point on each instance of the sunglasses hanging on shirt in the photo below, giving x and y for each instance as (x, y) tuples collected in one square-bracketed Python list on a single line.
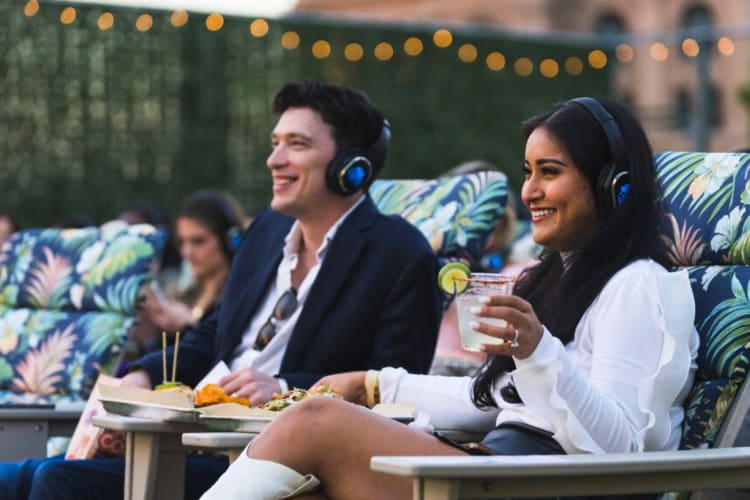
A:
[(283, 310)]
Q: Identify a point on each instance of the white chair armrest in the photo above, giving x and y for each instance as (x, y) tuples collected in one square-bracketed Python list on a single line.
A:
[(525, 476)]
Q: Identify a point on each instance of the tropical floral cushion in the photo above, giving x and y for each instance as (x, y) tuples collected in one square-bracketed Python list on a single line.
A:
[(50, 356), (67, 302), (90, 269), (456, 214), (722, 297), (707, 196)]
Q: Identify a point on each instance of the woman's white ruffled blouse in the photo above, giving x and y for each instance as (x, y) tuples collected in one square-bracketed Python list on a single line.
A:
[(617, 387)]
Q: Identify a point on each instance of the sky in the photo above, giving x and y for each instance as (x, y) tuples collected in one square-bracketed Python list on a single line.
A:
[(256, 8)]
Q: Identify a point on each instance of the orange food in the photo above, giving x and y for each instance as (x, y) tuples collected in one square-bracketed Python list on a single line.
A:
[(212, 394)]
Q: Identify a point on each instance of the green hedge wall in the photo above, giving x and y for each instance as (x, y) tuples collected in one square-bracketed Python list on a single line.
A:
[(93, 120)]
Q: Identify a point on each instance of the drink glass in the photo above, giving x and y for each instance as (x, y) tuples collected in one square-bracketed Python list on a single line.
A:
[(480, 284)]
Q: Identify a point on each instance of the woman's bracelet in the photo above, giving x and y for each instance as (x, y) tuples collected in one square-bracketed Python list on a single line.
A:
[(372, 387)]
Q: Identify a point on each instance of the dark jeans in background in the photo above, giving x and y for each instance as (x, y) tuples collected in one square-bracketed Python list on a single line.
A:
[(58, 479)]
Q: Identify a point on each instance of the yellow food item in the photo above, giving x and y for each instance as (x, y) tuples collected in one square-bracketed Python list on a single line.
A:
[(171, 386), (212, 394)]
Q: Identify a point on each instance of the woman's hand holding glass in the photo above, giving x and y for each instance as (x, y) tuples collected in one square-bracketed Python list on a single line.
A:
[(522, 332)]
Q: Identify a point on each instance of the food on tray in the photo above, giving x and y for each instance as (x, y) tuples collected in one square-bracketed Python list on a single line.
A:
[(169, 386), (280, 401), (211, 394)]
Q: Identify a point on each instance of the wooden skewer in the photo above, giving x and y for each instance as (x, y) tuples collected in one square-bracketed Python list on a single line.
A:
[(174, 357), (164, 355)]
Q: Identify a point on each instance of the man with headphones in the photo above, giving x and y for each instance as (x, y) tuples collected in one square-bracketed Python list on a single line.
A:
[(321, 283)]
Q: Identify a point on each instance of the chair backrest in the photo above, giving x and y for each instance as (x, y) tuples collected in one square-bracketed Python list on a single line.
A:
[(456, 214), (707, 198), (67, 302)]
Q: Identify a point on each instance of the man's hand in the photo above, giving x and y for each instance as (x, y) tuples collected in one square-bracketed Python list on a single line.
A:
[(252, 384), (137, 378)]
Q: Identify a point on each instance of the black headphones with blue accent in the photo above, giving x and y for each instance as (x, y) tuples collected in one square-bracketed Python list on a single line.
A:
[(353, 169), (613, 183), (233, 235)]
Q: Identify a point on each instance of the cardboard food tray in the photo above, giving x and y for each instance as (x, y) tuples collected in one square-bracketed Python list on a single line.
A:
[(165, 406), (232, 417), (400, 412)]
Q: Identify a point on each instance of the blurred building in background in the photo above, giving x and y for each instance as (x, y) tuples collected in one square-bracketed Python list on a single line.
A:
[(682, 65)]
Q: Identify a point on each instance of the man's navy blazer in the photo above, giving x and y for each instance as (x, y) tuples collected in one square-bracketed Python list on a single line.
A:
[(374, 303)]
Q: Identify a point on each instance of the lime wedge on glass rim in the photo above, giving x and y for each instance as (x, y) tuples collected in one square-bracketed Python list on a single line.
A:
[(453, 277)]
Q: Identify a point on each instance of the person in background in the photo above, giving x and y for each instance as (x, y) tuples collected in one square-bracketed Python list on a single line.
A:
[(77, 220), (207, 228), (597, 354), (148, 212), (8, 225)]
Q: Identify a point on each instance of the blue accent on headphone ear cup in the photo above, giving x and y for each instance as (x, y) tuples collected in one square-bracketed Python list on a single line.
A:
[(233, 239), (622, 195), (348, 172), (612, 188), (351, 170), (354, 176)]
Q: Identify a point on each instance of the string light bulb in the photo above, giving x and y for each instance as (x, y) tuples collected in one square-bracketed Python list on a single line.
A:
[(144, 23), (105, 21), (259, 28), (467, 53), (573, 65), (725, 46), (383, 51), (413, 46), (290, 40), (690, 47), (549, 68), (320, 49), (495, 61), (442, 38), (214, 22), (179, 18), (523, 66), (624, 53), (659, 51), (68, 15), (353, 52), (31, 8), (597, 59)]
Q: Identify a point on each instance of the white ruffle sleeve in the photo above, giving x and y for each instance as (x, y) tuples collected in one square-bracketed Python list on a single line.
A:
[(619, 385), (447, 400)]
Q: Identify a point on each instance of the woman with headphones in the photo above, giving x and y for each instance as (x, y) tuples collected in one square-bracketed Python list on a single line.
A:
[(207, 229), (599, 346)]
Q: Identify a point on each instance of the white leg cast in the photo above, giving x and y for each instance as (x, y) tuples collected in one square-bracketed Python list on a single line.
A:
[(251, 479)]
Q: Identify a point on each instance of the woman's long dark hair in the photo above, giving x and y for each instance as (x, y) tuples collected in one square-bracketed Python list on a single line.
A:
[(630, 232)]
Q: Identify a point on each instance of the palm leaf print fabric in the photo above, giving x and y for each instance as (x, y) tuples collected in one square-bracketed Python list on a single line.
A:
[(707, 197), (67, 302), (456, 214)]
